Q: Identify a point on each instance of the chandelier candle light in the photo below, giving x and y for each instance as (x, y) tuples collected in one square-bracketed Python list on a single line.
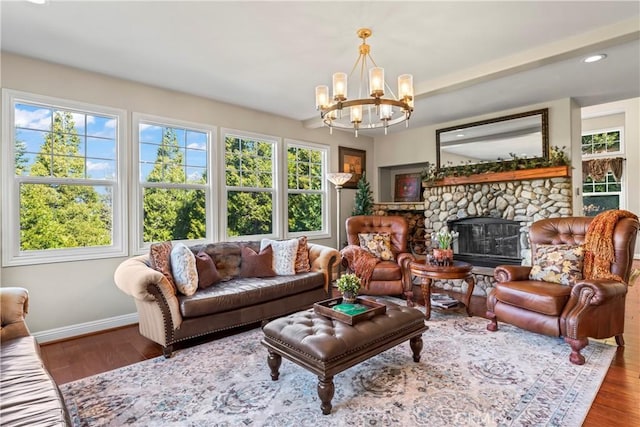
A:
[(380, 112), (338, 179)]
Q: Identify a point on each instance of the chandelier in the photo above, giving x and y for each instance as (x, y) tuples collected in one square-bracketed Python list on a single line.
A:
[(373, 112)]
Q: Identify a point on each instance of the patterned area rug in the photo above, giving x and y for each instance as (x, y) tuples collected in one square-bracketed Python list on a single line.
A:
[(467, 376)]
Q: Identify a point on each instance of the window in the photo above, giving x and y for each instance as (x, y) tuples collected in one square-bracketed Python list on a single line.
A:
[(250, 185), (173, 169), (603, 142), (602, 188), (62, 177), (306, 189)]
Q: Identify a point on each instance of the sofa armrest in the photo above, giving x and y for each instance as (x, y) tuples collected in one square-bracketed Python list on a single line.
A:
[(510, 273), (323, 258), (134, 277), (14, 305)]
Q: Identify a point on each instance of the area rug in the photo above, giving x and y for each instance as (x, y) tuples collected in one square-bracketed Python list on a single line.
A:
[(467, 377)]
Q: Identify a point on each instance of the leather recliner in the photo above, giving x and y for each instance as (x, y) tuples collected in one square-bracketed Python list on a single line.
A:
[(389, 277), (590, 308)]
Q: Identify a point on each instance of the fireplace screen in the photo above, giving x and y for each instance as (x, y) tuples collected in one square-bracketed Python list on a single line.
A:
[(485, 241)]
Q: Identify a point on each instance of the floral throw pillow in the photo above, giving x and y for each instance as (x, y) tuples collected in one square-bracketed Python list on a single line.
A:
[(558, 264), (183, 267), (284, 255), (160, 260), (302, 257), (379, 244)]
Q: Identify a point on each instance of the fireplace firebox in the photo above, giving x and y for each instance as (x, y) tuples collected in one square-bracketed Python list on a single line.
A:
[(487, 241)]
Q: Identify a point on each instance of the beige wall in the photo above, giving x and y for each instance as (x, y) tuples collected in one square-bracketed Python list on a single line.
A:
[(64, 295), (419, 144)]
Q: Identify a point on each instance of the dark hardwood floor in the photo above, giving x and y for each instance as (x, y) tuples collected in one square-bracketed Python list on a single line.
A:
[(616, 404)]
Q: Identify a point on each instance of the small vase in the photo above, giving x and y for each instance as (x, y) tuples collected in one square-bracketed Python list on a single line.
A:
[(349, 297), (443, 256)]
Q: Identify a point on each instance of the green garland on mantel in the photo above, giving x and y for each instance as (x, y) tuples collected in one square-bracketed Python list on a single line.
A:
[(557, 157)]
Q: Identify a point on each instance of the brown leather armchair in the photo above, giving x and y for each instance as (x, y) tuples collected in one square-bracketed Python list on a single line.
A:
[(589, 308), (389, 277)]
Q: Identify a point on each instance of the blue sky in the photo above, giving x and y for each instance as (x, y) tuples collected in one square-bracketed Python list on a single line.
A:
[(97, 137), (98, 141)]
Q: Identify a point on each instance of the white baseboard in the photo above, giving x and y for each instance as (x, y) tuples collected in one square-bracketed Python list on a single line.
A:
[(85, 328)]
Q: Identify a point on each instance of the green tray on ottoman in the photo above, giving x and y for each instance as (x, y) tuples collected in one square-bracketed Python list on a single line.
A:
[(336, 309)]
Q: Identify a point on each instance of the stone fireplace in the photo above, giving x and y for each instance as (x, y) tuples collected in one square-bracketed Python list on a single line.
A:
[(517, 202)]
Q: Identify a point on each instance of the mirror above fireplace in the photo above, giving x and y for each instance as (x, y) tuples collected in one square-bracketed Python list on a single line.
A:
[(523, 135)]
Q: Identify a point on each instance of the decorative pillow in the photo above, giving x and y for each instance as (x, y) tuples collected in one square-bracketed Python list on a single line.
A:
[(284, 255), (558, 264), (160, 260), (379, 244), (302, 257), (207, 272), (183, 267), (256, 265)]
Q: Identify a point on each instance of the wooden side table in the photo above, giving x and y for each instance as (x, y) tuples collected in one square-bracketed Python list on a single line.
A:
[(427, 272)]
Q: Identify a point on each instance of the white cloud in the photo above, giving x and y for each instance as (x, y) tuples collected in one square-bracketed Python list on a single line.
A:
[(197, 146), (195, 176), (97, 166), (78, 119), (33, 119)]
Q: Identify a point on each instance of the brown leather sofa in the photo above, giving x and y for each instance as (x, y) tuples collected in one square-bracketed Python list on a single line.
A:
[(166, 317), (28, 394), (389, 277), (590, 308)]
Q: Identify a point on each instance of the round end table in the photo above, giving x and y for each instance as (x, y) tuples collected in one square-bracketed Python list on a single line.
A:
[(428, 272)]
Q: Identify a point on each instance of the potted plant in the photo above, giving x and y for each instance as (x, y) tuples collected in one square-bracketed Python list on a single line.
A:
[(349, 285), (443, 253)]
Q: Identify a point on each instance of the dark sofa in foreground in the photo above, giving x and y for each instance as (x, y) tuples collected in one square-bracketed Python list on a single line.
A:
[(167, 316)]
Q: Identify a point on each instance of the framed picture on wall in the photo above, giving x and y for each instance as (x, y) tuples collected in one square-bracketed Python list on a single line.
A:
[(408, 187), (352, 161)]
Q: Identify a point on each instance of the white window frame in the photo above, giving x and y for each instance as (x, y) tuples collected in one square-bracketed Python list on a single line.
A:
[(623, 187), (11, 253), (275, 190), (608, 153), (324, 149), (209, 188)]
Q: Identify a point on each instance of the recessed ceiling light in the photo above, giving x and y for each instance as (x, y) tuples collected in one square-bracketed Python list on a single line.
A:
[(38, 1), (460, 135), (594, 58)]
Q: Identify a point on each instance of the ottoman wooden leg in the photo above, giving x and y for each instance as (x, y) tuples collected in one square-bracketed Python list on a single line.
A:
[(325, 393), (416, 346), (274, 360)]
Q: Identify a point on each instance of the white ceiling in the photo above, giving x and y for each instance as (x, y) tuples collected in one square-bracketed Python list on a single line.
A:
[(467, 58)]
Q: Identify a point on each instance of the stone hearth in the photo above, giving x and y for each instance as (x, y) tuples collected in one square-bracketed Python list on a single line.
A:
[(523, 201)]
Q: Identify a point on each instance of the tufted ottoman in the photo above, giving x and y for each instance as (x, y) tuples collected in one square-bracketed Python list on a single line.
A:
[(327, 347)]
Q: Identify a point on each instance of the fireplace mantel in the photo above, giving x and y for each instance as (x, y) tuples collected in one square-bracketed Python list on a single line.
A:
[(516, 175)]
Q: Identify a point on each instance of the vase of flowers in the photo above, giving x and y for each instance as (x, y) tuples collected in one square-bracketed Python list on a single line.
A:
[(443, 254), (349, 285)]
